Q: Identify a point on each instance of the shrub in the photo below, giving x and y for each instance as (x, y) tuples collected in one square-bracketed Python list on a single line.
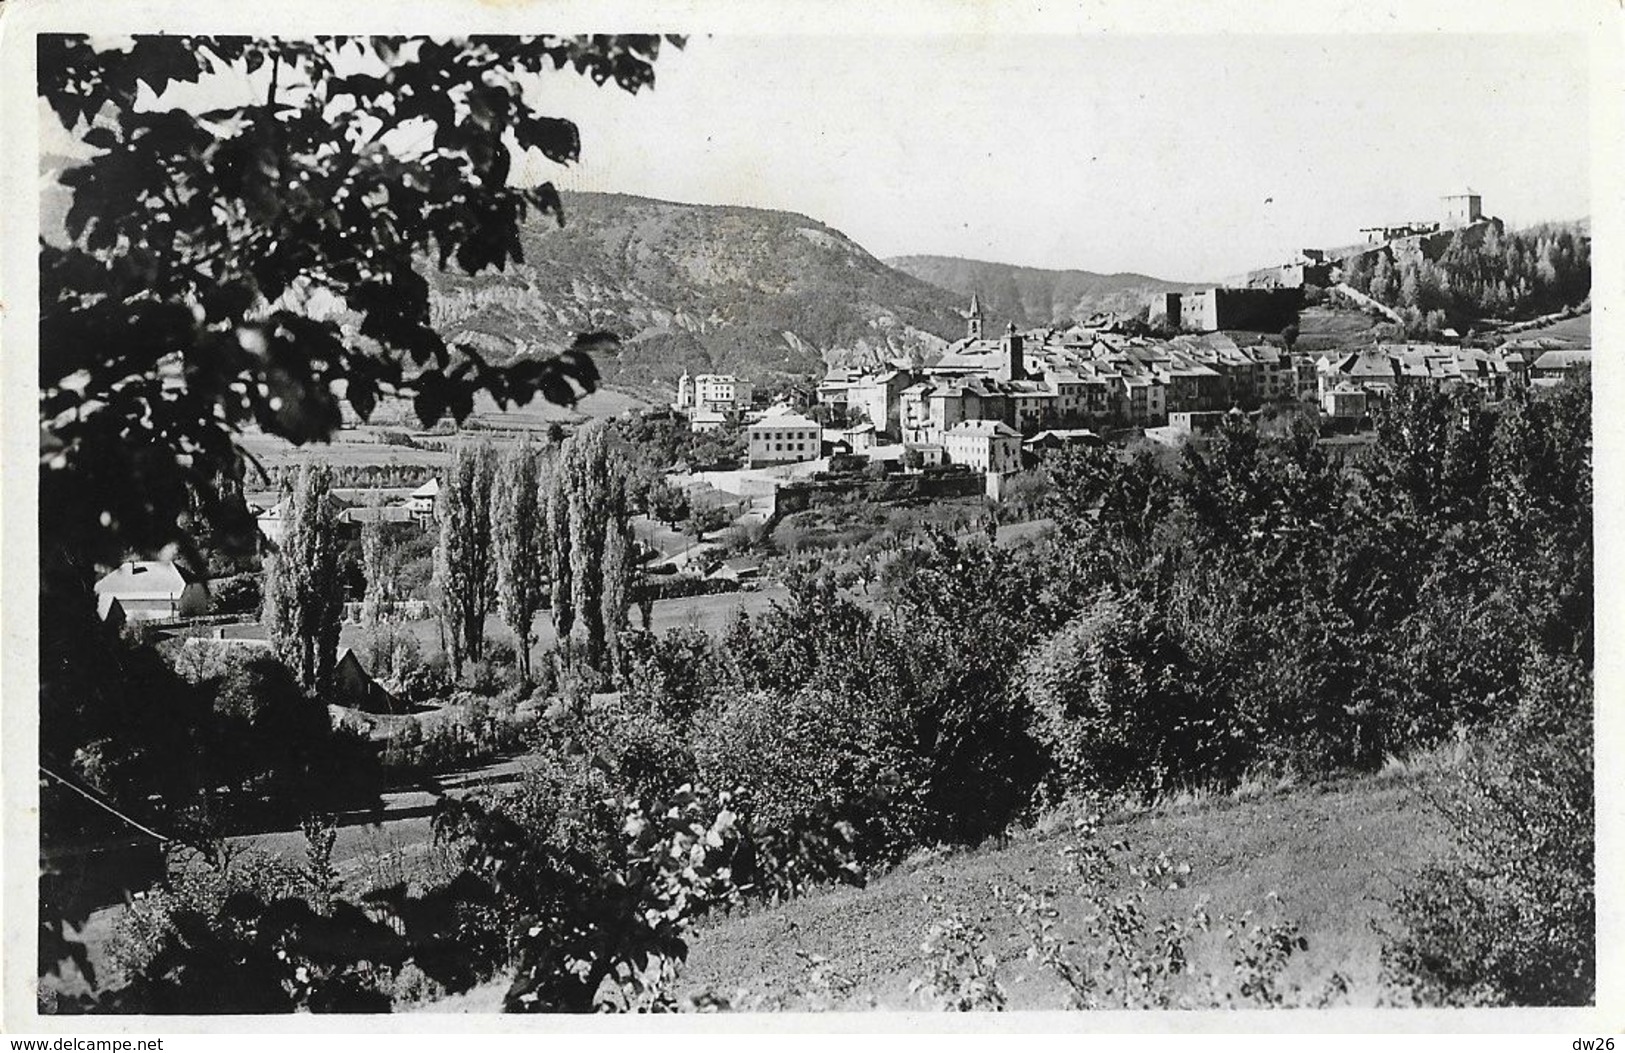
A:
[(238, 594), (648, 756), (1509, 918), (199, 886), (427, 683), (1131, 955), (963, 976), (796, 756), (672, 674), (605, 890), (1109, 703)]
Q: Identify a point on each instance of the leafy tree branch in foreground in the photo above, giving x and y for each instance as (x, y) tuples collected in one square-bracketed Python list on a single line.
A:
[(254, 263)]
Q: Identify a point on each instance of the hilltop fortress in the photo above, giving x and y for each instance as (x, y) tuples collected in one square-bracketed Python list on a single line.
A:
[(1460, 215)]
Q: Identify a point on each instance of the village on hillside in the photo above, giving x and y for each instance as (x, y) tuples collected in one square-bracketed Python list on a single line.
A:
[(968, 425), (992, 404)]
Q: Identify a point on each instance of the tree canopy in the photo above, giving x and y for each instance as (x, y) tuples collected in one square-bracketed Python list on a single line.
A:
[(256, 262)]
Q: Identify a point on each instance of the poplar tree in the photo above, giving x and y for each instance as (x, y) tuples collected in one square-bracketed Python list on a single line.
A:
[(588, 481), (590, 542), (464, 569), (380, 613), (519, 540), (617, 577), (558, 546), (303, 595)]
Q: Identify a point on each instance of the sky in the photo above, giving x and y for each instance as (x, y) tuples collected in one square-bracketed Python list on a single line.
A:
[(1184, 157), (1187, 157)]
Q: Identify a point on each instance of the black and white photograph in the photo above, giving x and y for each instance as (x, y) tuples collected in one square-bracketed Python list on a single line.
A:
[(974, 515)]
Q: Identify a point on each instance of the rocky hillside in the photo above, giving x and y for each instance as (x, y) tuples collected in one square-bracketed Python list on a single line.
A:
[(698, 287), (1031, 296)]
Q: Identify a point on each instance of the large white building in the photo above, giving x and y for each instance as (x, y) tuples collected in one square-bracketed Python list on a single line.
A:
[(984, 445), (782, 438), (717, 392)]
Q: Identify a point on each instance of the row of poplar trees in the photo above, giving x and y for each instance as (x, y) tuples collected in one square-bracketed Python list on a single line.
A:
[(537, 526)]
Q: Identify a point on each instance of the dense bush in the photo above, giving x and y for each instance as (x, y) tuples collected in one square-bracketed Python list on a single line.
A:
[(602, 890), (195, 886), (648, 754), (1111, 703), (237, 594), (1509, 918), (672, 674), (794, 756), (1338, 608), (426, 682)]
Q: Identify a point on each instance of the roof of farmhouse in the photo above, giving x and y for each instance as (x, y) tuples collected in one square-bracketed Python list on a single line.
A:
[(988, 428), (783, 420), (157, 579)]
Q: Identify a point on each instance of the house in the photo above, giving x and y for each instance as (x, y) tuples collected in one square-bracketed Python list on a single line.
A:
[(111, 612), (928, 410), (719, 392), (362, 514), (704, 420), (834, 388), (1035, 448), (270, 523), (1306, 376), (1143, 399), (149, 590), (1553, 367), (783, 438), (1370, 370), (1032, 405), (984, 445), (925, 454), (1058, 438), (353, 686), (878, 398), (1345, 402), (858, 438), (1199, 422), (740, 570), (421, 502)]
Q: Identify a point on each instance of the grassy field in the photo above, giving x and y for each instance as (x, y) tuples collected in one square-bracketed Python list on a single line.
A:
[(1577, 329), (1332, 853), (710, 613)]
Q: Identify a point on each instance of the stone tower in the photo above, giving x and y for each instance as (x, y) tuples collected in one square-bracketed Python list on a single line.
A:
[(973, 319), (1013, 367), (1462, 210)]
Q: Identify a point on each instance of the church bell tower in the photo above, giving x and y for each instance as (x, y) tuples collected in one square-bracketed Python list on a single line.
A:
[(973, 319)]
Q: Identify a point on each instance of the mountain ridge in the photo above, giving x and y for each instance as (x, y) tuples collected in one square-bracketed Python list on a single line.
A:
[(1037, 296), (697, 288)]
